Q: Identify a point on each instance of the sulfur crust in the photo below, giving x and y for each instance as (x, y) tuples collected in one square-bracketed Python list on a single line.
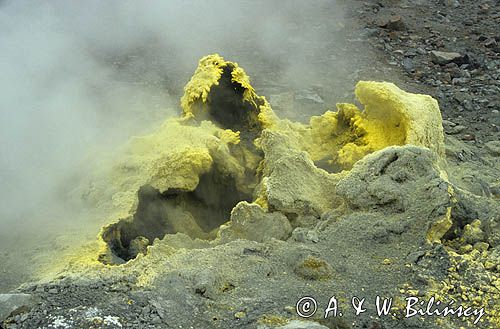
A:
[(390, 116), (174, 157), (178, 153), (208, 73)]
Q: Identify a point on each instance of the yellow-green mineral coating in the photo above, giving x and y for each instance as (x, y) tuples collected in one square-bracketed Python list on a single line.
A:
[(390, 116), (194, 102), (180, 151)]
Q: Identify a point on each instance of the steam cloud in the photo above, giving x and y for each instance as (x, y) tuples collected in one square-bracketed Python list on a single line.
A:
[(76, 74)]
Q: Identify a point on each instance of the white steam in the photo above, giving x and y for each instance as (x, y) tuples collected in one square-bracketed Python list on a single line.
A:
[(76, 74)]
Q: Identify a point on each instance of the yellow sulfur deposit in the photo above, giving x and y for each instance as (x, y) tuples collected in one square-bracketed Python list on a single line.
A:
[(390, 116), (220, 91), (189, 174), (228, 193), (439, 228)]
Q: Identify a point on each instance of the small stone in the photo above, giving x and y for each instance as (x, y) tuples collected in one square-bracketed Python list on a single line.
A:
[(313, 268), (53, 291), (462, 97), (489, 265), (240, 315), (443, 58), (450, 3), (408, 64), (369, 32), (465, 249), (460, 81), (394, 23), (138, 246), (468, 137), (455, 72), (421, 51), (484, 8), (304, 235), (448, 123), (24, 317), (473, 233), (146, 311), (204, 283), (453, 130), (495, 190), (410, 53), (387, 261), (156, 319), (481, 246), (252, 222), (40, 289)]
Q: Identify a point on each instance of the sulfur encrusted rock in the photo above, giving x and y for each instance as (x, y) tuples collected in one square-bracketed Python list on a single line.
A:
[(401, 179), (228, 215), (292, 183), (221, 91), (229, 168), (249, 221), (390, 116)]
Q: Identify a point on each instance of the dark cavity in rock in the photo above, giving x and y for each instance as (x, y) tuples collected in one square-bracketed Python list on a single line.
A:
[(197, 213)]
